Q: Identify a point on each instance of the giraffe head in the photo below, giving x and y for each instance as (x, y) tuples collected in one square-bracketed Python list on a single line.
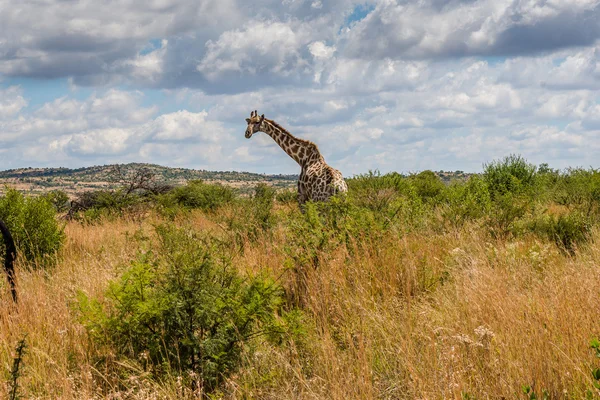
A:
[(253, 123)]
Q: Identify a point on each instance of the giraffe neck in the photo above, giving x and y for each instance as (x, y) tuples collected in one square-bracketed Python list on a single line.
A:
[(302, 151)]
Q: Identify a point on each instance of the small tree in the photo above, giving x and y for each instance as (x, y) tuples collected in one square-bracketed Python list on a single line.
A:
[(185, 309), (32, 222)]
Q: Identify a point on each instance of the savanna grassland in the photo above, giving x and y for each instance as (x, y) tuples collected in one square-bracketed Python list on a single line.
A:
[(407, 288)]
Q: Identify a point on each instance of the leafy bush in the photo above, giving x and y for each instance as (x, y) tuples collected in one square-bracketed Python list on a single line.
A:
[(287, 196), (59, 199), (428, 186), (391, 199), (465, 201), (568, 231), (579, 189), (197, 194), (326, 225), (32, 222), (506, 209), (92, 205), (262, 202), (375, 191), (512, 174), (184, 309)]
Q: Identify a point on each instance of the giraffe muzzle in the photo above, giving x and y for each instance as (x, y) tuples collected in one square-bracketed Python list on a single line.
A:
[(248, 134)]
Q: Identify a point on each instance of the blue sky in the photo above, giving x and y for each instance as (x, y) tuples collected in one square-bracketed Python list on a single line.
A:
[(389, 85)]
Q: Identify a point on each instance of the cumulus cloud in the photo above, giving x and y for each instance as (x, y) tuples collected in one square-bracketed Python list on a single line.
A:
[(11, 101), (434, 29), (386, 84)]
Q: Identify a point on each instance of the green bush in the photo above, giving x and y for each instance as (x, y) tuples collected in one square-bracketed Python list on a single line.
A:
[(183, 309), (287, 196), (428, 186), (33, 223), (506, 210), (375, 191), (94, 205), (198, 194), (512, 174), (579, 189), (59, 199), (567, 231), (466, 201), (262, 204), (393, 200)]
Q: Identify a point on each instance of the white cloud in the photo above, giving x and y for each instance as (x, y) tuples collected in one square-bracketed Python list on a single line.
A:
[(186, 126), (11, 101), (410, 85), (486, 27), (99, 142), (270, 46)]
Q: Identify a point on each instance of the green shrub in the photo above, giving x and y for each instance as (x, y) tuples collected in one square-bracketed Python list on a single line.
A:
[(33, 224), (512, 174), (579, 189), (59, 199), (375, 191), (466, 201), (93, 205), (197, 194), (428, 186), (262, 205), (505, 212), (567, 231), (287, 196), (183, 309)]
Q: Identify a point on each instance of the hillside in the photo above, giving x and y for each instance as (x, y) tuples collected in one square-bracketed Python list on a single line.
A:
[(39, 180)]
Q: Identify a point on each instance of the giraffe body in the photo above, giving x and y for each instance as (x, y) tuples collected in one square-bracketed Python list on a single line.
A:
[(318, 181)]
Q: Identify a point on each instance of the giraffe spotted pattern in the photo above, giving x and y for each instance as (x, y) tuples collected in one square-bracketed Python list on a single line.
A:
[(318, 181)]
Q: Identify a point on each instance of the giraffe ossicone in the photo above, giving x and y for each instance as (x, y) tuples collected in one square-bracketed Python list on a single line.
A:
[(318, 181)]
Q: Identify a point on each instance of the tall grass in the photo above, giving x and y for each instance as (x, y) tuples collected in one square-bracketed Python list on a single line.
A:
[(404, 289)]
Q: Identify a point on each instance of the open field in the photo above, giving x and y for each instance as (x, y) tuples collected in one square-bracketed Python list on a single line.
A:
[(407, 289)]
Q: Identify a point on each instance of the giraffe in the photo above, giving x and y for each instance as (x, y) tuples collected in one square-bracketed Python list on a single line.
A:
[(318, 181)]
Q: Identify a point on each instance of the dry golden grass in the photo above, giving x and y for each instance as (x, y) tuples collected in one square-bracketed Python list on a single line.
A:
[(426, 315)]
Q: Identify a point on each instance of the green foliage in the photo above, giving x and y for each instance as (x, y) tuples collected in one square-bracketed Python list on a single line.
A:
[(579, 189), (59, 199), (506, 210), (33, 224), (595, 346), (466, 201), (183, 308), (427, 185), (198, 194), (262, 204), (375, 191), (512, 174), (391, 199), (287, 196), (568, 231), (530, 393), (94, 205), (314, 234)]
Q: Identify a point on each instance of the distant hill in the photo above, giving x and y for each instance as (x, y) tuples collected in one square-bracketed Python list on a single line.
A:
[(39, 180)]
